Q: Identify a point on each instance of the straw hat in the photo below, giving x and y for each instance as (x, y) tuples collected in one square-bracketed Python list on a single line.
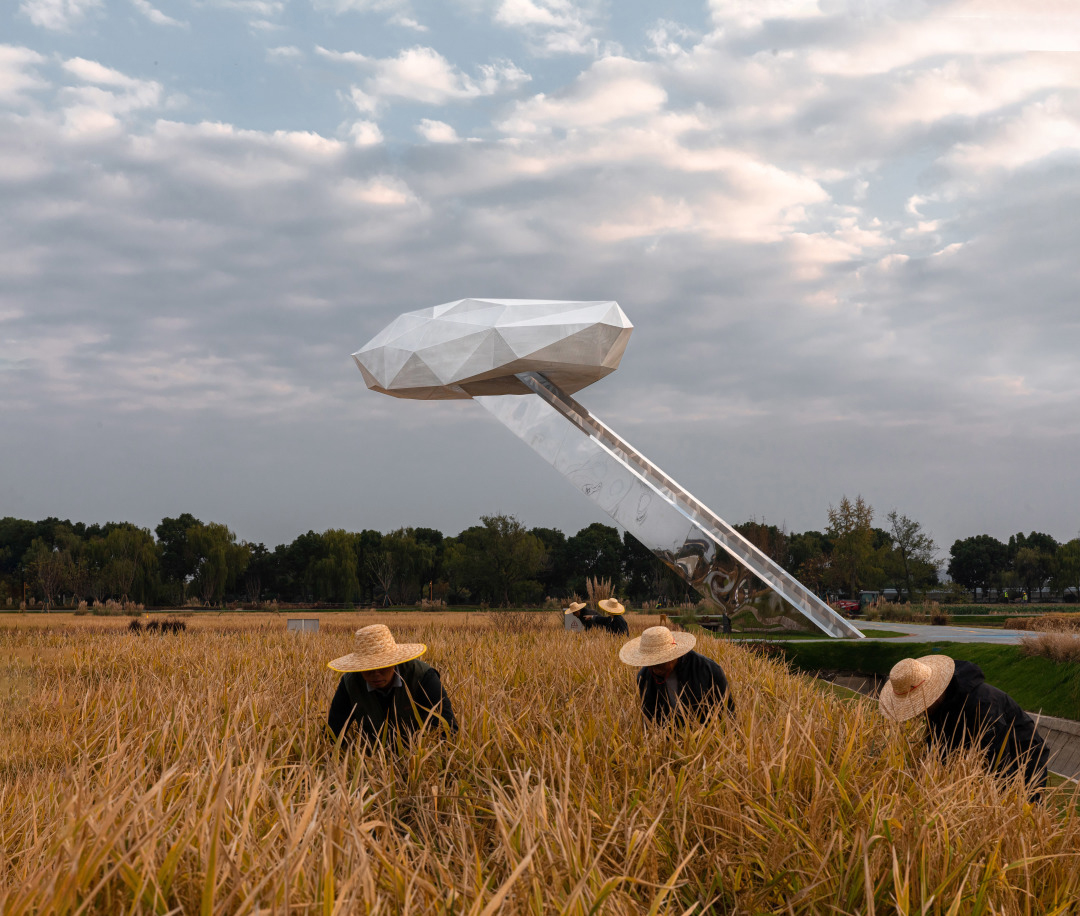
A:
[(610, 606), (656, 646), (574, 607), (376, 649), (914, 685)]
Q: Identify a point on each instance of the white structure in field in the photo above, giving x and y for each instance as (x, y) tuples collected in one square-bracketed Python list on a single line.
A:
[(496, 349), (477, 347)]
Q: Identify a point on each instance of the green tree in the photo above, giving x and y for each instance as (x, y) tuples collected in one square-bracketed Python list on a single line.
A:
[(132, 561), (1068, 568), (1033, 567), (46, 567), (500, 560), (853, 548), (219, 559), (978, 562), (915, 553), (596, 551)]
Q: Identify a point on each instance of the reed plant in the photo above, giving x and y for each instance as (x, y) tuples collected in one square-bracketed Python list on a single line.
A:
[(192, 773)]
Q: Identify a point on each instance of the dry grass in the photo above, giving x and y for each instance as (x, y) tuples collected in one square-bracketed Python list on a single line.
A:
[(191, 773), (1048, 623), (1058, 647)]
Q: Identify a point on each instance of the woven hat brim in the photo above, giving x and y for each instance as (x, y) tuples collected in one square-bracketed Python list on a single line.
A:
[(900, 709), (631, 652), (574, 608), (401, 653), (618, 609)]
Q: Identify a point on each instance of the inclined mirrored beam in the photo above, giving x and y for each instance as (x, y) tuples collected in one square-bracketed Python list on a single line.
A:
[(706, 552)]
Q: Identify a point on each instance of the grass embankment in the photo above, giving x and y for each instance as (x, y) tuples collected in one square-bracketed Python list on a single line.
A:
[(1035, 683), (192, 773)]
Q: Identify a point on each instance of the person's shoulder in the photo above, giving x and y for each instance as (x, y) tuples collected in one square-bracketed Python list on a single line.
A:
[(415, 669)]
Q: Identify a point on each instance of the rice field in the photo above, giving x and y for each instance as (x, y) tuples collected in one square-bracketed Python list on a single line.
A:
[(192, 773)]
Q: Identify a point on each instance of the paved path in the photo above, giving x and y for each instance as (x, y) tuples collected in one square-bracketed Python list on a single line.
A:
[(920, 632)]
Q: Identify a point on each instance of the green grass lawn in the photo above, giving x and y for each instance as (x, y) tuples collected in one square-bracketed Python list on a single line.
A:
[(1037, 684)]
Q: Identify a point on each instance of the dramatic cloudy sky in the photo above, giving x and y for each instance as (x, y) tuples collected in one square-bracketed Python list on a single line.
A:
[(846, 231)]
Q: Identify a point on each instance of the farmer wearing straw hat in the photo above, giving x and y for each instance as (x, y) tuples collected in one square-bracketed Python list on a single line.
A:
[(385, 687), (610, 618), (963, 711), (674, 679), (581, 611)]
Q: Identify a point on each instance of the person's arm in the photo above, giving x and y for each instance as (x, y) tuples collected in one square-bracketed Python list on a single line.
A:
[(719, 688), (649, 701), (435, 699), (341, 709)]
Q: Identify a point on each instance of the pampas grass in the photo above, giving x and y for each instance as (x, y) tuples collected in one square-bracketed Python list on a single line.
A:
[(194, 775)]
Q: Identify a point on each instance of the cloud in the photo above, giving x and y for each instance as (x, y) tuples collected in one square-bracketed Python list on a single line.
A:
[(284, 53), (847, 243), (553, 26), (97, 108), (58, 15), (17, 76), (422, 74), (437, 131), (155, 15), (365, 133), (397, 12), (610, 90)]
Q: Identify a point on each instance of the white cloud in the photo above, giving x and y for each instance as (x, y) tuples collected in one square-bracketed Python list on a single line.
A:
[(284, 53), (155, 15), (610, 90), (16, 73), (423, 75), (1041, 130), (365, 133), (554, 26), (437, 131), (58, 15)]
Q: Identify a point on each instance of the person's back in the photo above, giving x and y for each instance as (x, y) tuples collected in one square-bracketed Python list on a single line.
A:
[(673, 680), (385, 688), (413, 697), (972, 711)]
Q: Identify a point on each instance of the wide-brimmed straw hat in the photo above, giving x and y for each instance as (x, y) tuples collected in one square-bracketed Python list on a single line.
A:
[(914, 685), (610, 606), (656, 646), (376, 649), (575, 606)]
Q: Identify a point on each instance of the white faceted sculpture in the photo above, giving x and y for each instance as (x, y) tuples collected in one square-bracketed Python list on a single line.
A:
[(477, 347), (495, 349)]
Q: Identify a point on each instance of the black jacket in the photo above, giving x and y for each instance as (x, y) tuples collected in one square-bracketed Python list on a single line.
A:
[(702, 685), (401, 710), (612, 624), (973, 712)]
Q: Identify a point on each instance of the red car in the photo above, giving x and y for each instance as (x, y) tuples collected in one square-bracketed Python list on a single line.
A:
[(846, 605)]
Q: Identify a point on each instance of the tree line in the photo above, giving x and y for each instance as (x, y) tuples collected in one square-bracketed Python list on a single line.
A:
[(498, 562)]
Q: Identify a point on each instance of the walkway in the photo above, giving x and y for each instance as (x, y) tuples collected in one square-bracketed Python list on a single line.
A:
[(920, 632)]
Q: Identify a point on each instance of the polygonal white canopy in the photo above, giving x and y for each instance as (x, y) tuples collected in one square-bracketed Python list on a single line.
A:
[(475, 347)]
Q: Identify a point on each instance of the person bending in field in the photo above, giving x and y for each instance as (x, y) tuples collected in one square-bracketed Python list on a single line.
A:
[(963, 711), (581, 611), (610, 618), (674, 680), (385, 688)]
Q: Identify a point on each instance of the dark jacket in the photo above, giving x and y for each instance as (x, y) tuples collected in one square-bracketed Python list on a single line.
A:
[(402, 709), (973, 713), (702, 685), (611, 624)]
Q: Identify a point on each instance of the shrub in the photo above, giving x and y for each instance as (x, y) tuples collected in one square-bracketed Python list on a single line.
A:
[(1058, 647), (1046, 623)]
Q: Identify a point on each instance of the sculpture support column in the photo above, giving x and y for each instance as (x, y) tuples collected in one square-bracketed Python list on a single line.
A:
[(727, 570)]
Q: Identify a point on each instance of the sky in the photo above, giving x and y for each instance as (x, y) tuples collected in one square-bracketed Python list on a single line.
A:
[(846, 233)]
